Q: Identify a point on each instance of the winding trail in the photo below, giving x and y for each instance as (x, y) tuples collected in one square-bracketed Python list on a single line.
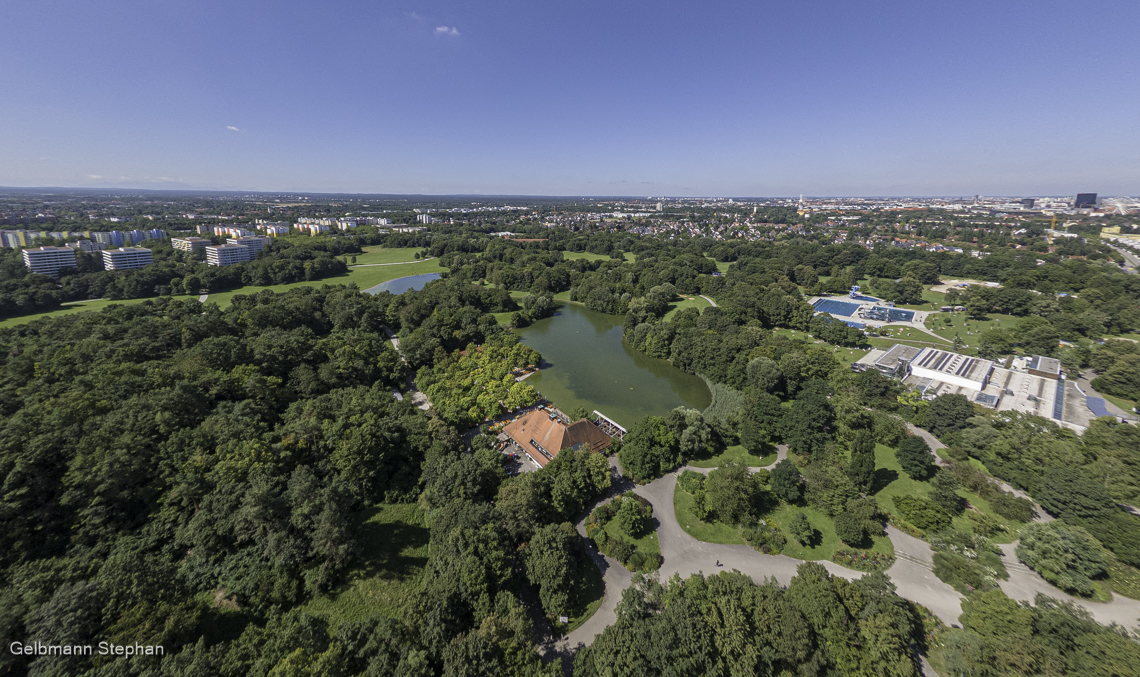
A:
[(911, 572), (397, 263), (713, 303), (781, 454)]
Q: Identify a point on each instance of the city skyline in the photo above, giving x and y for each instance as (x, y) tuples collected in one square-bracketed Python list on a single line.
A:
[(439, 98)]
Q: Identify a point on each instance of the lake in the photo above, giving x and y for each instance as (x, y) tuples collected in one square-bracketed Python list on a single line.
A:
[(403, 284), (586, 364)]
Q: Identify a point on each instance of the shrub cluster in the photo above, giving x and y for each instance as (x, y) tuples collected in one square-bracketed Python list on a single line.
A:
[(766, 537), (633, 515), (863, 560), (966, 562), (922, 513)]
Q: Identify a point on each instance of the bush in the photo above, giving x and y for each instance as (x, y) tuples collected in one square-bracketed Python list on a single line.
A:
[(766, 537), (800, 528), (862, 560), (850, 529), (1013, 507), (914, 456), (966, 562), (1066, 556), (944, 486), (787, 482), (922, 513), (690, 481), (631, 517), (621, 550), (731, 494)]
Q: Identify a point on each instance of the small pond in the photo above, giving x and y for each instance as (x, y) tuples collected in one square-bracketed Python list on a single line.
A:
[(586, 364)]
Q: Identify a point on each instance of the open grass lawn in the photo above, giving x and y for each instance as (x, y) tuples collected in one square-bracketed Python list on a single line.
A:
[(890, 481), (690, 302), (72, 309), (932, 300), (735, 454), (824, 541), (969, 330), (709, 532), (570, 256), (1121, 402), (364, 277), (378, 254), (900, 334), (384, 577)]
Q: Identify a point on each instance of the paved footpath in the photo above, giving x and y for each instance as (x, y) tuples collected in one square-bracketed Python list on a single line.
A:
[(781, 454), (911, 573)]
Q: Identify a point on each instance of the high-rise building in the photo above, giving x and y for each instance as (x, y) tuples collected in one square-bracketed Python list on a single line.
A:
[(1085, 201), (228, 254), (255, 244), (190, 244), (49, 260), (89, 246), (126, 258), (423, 218), (1028, 202)]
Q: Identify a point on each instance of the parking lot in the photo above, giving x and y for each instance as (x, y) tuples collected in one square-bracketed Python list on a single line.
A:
[(520, 463)]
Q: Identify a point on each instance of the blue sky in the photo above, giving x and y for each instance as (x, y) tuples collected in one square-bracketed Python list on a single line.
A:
[(749, 98)]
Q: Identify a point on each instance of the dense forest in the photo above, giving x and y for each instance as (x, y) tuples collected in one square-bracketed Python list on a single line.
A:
[(177, 474)]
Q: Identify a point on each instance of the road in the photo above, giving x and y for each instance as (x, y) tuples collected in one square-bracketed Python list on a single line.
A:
[(1132, 259), (709, 300)]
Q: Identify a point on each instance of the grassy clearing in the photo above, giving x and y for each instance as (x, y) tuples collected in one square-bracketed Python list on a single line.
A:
[(968, 330), (824, 541), (1121, 402), (364, 278), (735, 454), (72, 309), (384, 577), (570, 256), (378, 254), (891, 481), (686, 302), (709, 532)]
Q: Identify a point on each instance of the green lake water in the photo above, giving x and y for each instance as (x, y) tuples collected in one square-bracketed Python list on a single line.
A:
[(585, 364)]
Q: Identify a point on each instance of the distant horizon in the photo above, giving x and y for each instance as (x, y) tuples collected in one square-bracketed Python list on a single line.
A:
[(239, 191)]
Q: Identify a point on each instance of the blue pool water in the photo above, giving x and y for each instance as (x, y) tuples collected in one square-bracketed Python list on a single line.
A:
[(836, 307)]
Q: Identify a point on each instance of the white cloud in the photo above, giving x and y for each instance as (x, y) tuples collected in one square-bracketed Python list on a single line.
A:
[(232, 128), (414, 16), (94, 176), (450, 31)]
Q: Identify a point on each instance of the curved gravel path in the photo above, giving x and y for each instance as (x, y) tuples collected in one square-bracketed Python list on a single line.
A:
[(911, 572), (781, 454)]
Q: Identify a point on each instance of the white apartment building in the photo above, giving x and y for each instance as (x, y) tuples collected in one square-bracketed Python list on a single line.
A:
[(88, 246), (126, 258), (190, 244), (255, 244), (424, 218), (228, 254), (49, 260)]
